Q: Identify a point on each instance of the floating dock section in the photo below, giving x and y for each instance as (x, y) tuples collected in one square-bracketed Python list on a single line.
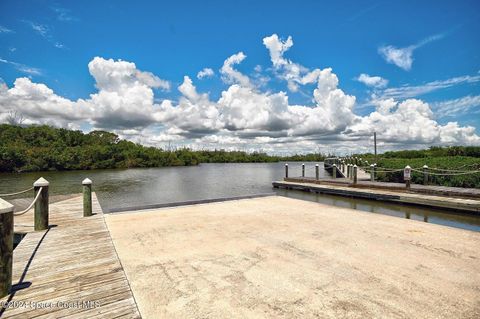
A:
[(425, 196)]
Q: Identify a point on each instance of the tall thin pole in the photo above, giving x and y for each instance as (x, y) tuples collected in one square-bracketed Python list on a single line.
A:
[(375, 144)]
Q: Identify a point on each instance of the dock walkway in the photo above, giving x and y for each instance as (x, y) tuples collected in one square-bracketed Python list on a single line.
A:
[(392, 195), (397, 187), (70, 270)]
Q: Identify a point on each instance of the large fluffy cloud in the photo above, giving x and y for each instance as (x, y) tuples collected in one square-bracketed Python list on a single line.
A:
[(39, 104), (411, 122), (244, 116)]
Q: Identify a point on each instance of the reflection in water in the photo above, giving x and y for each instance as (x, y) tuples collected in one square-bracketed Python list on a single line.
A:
[(136, 187), (430, 215)]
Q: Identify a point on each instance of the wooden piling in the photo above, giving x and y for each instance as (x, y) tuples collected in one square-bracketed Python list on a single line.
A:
[(334, 171), (303, 170), (6, 247), (372, 173), (425, 175), (354, 174), (41, 205), (317, 172), (406, 176), (286, 170), (87, 197)]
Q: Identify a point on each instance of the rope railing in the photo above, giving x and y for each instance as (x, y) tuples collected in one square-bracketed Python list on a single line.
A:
[(31, 205), (381, 170), (420, 170), (349, 170), (17, 193), (7, 216), (446, 170), (447, 174), (425, 171)]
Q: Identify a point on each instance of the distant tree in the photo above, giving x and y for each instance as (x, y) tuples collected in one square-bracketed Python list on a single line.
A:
[(15, 118)]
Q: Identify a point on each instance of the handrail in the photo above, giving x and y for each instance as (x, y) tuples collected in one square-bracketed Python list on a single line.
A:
[(13, 194), (31, 205)]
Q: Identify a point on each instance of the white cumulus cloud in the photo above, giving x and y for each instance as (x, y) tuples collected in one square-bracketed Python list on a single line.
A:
[(244, 116), (372, 81), (231, 75), (205, 73)]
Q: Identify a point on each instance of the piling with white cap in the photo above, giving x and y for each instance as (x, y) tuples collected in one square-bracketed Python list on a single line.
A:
[(87, 197), (41, 205)]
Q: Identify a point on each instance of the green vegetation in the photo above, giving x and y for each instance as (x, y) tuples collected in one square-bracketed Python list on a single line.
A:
[(440, 160), (41, 148), (221, 156)]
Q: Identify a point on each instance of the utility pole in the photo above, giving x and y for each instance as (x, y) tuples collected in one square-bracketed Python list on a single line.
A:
[(375, 144)]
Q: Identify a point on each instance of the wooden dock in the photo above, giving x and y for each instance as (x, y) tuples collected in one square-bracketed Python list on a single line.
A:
[(473, 193), (70, 270), (398, 195)]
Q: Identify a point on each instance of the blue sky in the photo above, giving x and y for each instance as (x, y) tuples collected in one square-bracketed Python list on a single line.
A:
[(410, 44)]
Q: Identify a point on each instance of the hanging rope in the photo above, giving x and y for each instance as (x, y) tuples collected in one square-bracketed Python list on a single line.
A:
[(13, 194), (448, 174), (439, 171), (444, 170), (31, 205)]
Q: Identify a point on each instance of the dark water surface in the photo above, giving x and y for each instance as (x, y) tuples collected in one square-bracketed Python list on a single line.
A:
[(144, 186)]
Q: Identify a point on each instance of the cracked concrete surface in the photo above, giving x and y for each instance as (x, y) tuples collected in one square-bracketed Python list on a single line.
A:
[(278, 257)]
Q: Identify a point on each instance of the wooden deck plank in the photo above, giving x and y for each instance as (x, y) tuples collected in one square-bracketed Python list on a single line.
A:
[(73, 261)]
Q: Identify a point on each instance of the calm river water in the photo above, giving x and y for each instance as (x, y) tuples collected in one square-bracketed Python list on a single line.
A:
[(143, 186)]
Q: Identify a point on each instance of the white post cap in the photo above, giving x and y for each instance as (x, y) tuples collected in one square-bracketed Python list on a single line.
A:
[(286, 164), (316, 164), (355, 165), (86, 181), (41, 182), (335, 165), (371, 165), (408, 167), (425, 166), (5, 207)]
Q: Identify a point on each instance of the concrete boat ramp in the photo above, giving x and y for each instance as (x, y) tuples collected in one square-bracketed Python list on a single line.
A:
[(268, 257)]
